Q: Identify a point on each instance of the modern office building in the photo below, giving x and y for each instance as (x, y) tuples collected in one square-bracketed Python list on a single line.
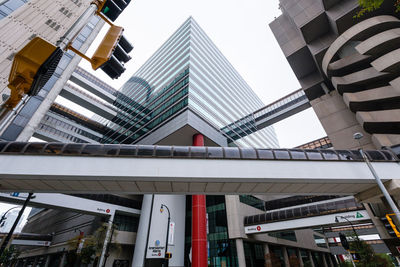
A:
[(20, 22), (348, 68)]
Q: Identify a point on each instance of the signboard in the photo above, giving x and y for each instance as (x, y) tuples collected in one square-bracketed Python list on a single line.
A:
[(306, 222), (171, 233), (155, 250)]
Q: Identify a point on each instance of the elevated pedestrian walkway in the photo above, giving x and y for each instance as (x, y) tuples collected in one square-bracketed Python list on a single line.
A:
[(85, 168)]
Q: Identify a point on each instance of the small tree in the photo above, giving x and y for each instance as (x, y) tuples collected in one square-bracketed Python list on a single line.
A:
[(368, 258), (9, 256), (92, 246), (371, 5)]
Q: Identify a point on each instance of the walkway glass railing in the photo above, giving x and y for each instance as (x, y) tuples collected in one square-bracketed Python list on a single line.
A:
[(193, 152), (320, 209), (252, 122)]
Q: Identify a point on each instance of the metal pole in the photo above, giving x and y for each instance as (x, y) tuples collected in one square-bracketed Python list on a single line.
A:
[(75, 29), (382, 187), (9, 235), (5, 213), (7, 115), (166, 239), (352, 226)]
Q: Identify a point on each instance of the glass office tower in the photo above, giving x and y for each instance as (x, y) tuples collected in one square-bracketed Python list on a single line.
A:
[(187, 86), (188, 73)]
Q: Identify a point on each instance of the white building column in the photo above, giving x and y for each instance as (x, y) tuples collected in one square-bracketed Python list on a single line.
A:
[(285, 257), (330, 260), (299, 257), (47, 261), (324, 259), (311, 259), (142, 232), (240, 252), (267, 255), (62, 262)]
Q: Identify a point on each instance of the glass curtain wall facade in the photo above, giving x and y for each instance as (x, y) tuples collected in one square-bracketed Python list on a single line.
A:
[(219, 93), (187, 72)]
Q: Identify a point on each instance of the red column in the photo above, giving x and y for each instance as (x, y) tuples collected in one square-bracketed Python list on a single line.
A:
[(199, 223)]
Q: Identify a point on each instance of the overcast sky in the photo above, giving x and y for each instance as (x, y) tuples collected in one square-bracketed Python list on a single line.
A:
[(240, 30)]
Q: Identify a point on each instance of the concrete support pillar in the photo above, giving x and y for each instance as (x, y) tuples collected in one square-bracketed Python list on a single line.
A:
[(285, 257), (324, 260), (35, 261), (330, 260), (240, 253), (143, 231), (106, 240), (47, 261), (267, 255), (311, 259), (62, 262), (300, 258)]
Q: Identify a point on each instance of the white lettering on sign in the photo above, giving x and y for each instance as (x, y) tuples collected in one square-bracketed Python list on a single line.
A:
[(306, 222), (156, 252)]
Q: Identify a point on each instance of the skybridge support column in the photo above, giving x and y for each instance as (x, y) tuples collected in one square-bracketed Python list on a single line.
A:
[(199, 223)]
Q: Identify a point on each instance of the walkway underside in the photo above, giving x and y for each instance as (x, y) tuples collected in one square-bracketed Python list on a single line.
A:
[(158, 169)]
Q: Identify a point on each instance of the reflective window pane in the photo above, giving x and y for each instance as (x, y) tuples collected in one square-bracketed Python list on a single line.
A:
[(388, 155), (281, 154), (375, 155), (197, 152), (231, 152), (181, 151), (72, 149), (297, 154), (2, 145), (15, 147), (356, 155), (111, 150), (93, 150), (145, 151), (215, 152), (35, 148), (53, 148), (248, 153), (314, 155), (265, 154), (163, 151), (344, 155), (329, 154), (126, 150)]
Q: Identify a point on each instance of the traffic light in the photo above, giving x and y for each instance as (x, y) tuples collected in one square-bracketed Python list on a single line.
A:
[(32, 67), (343, 240), (390, 226), (168, 255), (112, 53), (113, 8)]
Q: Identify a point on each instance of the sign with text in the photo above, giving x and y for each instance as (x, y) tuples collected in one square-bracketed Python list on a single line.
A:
[(306, 222)]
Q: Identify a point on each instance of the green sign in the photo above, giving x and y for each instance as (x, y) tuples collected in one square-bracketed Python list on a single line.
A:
[(359, 215)]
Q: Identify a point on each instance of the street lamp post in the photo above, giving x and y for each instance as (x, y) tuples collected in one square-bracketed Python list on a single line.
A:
[(358, 136), (352, 226), (355, 233), (10, 233), (166, 239), (3, 218)]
